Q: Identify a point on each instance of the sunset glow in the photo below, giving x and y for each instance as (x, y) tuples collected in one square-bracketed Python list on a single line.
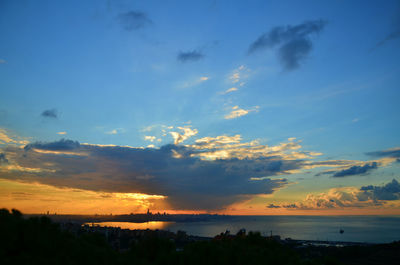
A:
[(239, 108)]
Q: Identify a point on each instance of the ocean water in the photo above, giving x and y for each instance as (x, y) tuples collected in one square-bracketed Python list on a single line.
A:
[(371, 229)]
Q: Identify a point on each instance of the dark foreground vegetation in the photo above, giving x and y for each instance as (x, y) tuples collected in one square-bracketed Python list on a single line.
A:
[(37, 240)]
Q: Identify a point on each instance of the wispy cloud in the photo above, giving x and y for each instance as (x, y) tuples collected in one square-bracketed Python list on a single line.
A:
[(293, 42), (392, 152), (2, 61), (149, 128), (395, 32), (62, 133), (190, 56), (7, 138), (193, 82), (232, 89), (115, 131), (134, 20), (391, 36), (239, 74), (237, 112)]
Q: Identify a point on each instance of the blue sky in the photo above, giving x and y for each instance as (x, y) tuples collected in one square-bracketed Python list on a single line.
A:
[(144, 73)]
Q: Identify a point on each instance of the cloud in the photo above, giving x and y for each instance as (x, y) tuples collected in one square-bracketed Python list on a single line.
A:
[(351, 197), (190, 56), (212, 173), (3, 159), (150, 138), (61, 145), (272, 206), (34, 197), (232, 147), (238, 74), (6, 138), (344, 168), (50, 113), (115, 131), (388, 192), (134, 20), (293, 42), (149, 128), (356, 170), (188, 181), (392, 152), (187, 132), (193, 82), (209, 174), (238, 112), (2, 61), (62, 133), (232, 89), (289, 206)]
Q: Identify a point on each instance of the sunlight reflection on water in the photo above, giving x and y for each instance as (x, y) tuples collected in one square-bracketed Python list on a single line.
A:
[(129, 225), (373, 229)]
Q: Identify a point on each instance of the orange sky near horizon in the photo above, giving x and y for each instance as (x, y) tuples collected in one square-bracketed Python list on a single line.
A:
[(35, 198)]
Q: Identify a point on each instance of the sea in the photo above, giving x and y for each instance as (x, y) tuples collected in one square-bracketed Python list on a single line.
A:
[(366, 229)]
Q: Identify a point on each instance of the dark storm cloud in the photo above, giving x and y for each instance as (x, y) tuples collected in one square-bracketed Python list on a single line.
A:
[(3, 159), (356, 170), (190, 56), (388, 192), (188, 181), (134, 20), (61, 145), (50, 113), (293, 42)]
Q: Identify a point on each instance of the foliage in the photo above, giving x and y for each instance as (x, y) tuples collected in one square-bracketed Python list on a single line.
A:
[(40, 241)]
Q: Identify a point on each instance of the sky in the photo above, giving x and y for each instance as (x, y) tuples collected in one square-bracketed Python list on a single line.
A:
[(229, 107)]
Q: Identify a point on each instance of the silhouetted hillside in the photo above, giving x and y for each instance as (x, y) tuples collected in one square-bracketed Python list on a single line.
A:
[(36, 240)]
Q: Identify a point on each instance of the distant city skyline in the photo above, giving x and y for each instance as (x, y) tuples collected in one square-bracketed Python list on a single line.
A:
[(229, 107)]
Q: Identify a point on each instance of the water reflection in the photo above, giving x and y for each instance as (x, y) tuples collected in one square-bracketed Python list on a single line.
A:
[(129, 225), (373, 229)]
